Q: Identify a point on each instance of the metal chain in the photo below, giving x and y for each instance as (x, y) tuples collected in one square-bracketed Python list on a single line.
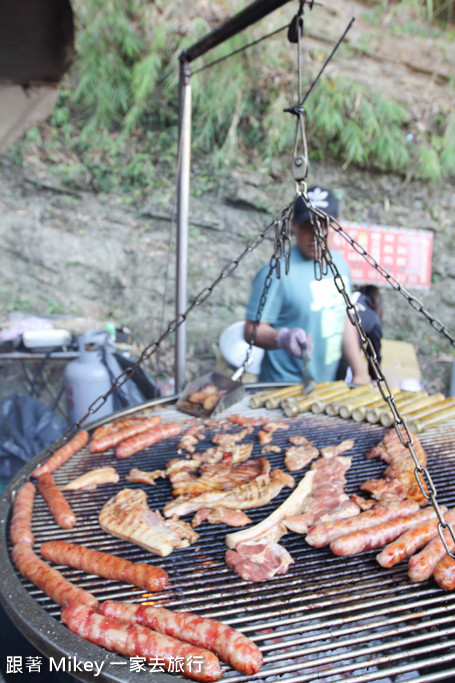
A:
[(282, 251), (421, 473), (281, 224)]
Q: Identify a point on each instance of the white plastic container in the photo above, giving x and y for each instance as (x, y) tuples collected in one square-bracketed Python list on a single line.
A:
[(87, 378)]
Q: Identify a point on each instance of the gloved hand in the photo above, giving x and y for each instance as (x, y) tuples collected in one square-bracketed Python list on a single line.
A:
[(294, 341)]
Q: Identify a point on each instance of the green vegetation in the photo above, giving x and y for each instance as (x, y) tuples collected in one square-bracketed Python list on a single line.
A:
[(115, 125)]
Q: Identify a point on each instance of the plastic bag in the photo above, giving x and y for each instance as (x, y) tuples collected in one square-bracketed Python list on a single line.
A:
[(138, 389), (27, 426)]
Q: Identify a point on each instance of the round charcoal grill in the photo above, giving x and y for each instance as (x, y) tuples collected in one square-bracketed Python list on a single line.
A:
[(328, 619)]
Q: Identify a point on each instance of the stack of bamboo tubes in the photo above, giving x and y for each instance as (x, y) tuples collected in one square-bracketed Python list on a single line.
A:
[(418, 409)]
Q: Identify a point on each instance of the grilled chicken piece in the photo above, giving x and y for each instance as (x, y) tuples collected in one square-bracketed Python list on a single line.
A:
[(252, 494), (398, 481), (141, 477), (298, 457), (90, 480), (128, 516)]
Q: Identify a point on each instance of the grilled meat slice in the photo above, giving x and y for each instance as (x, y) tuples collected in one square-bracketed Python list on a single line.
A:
[(338, 449), (298, 457), (220, 477), (398, 481), (228, 439), (90, 480), (141, 477), (327, 493), (128, 516), (220, 516), (259, 561), (245, 496)]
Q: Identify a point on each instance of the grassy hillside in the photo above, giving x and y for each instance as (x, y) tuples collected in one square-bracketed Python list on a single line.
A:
[(115, 126)]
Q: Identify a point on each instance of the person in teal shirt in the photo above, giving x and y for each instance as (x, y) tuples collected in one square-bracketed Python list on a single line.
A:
[(302, 312)]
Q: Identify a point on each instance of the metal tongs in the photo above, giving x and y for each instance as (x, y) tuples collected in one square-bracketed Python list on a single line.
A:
[(307, 378)]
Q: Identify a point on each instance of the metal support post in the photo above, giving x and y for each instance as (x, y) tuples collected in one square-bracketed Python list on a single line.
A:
[(183, 195)]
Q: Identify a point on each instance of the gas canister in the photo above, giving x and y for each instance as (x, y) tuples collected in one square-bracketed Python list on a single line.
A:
[(87, 378)]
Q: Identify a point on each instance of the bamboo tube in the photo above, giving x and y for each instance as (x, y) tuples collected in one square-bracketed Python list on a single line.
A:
[(430, 410), (277, 401), (333, 408), (433, 419), (318, 405), (304, 404), (401, 404), (258, 401), (414, 409), (315, 391), (358, 412), (373, 414)]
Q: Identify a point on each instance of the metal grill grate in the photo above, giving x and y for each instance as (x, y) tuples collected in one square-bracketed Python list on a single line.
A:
[(328, 619)]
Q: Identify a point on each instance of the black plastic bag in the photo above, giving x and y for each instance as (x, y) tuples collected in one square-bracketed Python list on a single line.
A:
[(27, 426), (138, 389)]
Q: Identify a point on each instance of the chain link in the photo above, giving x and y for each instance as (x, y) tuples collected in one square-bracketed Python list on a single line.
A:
[(282, 235), (282, 249), (421, 473)]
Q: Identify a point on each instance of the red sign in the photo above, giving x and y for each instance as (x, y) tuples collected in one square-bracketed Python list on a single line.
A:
[(405, 254)]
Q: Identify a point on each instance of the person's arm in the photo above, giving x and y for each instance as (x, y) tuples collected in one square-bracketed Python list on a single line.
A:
[(353, 353), (266, 335)]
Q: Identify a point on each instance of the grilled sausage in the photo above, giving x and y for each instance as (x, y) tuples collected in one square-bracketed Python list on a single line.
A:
[(20, 529), (422, 565), (230, 645), (325, 532), (57, 503), (409, 542), (377, 536), (110, 567), (49, 580), (133, 640), (112, 438), (444, 573), (113, 427), (63, 454), (140, 441)]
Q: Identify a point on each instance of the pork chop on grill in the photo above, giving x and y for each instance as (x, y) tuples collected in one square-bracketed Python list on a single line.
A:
[(128, 516)]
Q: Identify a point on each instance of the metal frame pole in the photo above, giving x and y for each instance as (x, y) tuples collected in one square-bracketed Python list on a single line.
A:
[(250, 15), (183, 197)]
